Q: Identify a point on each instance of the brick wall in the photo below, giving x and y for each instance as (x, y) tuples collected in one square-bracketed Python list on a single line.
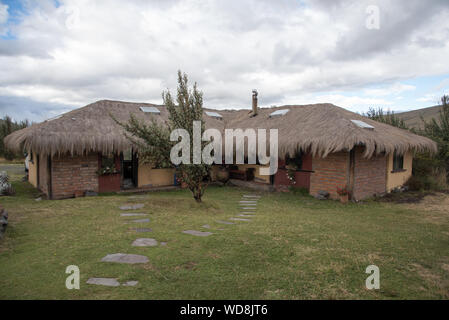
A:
[(369, 175), (329, 173), (74, 174)]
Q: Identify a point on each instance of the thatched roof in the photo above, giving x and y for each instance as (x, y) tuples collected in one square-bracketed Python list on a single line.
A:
[(319, 128)]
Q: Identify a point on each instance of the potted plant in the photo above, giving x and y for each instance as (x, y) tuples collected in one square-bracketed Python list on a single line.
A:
[(344, 194)]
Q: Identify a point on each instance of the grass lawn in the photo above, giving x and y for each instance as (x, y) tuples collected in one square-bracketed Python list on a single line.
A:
[(295, 248)]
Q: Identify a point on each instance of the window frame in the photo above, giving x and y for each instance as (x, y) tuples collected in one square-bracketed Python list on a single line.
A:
[(398, 163)]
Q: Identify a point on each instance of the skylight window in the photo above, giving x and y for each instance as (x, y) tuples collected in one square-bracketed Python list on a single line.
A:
[(362, 124), (153, 110), (279, 113), (214, 114)]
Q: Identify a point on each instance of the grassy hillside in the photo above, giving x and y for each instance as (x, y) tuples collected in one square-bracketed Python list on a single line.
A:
[(413, 118)]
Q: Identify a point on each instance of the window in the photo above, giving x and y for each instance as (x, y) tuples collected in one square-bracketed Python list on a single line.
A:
[(362, 124), (279, 113), (398, 162), (153, 110), (107, 161), (214, 115), (294, 162)]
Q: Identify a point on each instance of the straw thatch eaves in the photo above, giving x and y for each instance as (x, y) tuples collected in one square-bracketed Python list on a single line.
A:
[(319, 128)]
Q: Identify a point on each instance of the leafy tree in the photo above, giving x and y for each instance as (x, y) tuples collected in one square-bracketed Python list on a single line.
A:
[(8, 126), (386, 117), (438, 130), (154, 142)]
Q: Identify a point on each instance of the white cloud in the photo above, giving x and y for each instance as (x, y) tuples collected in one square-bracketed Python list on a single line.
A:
[(394, 89), (3, 13), (83, 50), (3, 18)]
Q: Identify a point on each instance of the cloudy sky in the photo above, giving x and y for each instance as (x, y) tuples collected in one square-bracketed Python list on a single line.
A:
[(60, 55)]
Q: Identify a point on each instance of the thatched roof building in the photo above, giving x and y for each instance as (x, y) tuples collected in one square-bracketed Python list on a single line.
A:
[(318, 128), (321, 148)]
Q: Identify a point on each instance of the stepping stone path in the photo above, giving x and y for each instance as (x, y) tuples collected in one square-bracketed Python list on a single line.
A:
[(140, 220), (132, 206), (133, 214), (198, 233), (125, 258), (141, 230), (248, 204), (128, 258), (144, 242)]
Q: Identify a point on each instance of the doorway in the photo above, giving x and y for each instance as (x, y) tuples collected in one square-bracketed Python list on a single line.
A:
[(130, 169)]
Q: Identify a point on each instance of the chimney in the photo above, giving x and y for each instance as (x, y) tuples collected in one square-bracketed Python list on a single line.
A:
[(254, 103)]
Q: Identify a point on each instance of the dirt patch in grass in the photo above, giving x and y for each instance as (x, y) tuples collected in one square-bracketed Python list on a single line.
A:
[(405, 197), (434, 207)]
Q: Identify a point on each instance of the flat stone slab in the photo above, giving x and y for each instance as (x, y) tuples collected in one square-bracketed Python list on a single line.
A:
[(206, 226), (239, 219), (133, 214), (131, 283), (197, 233), (163, 244), (224, 222), (141, 230), (109, 282), (249, 208), (246, 215), (251, 196), (132, 206), (249, 204), (248, 201), (144, 242), (140, 220), (125, 258)]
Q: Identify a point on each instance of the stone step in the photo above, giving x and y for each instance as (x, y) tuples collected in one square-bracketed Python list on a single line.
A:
[(125, 258), (140, 220), (110, 282), (198, 233), (224, 222), (144, 242), (133, 214), (132, 206), (239, 219)]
